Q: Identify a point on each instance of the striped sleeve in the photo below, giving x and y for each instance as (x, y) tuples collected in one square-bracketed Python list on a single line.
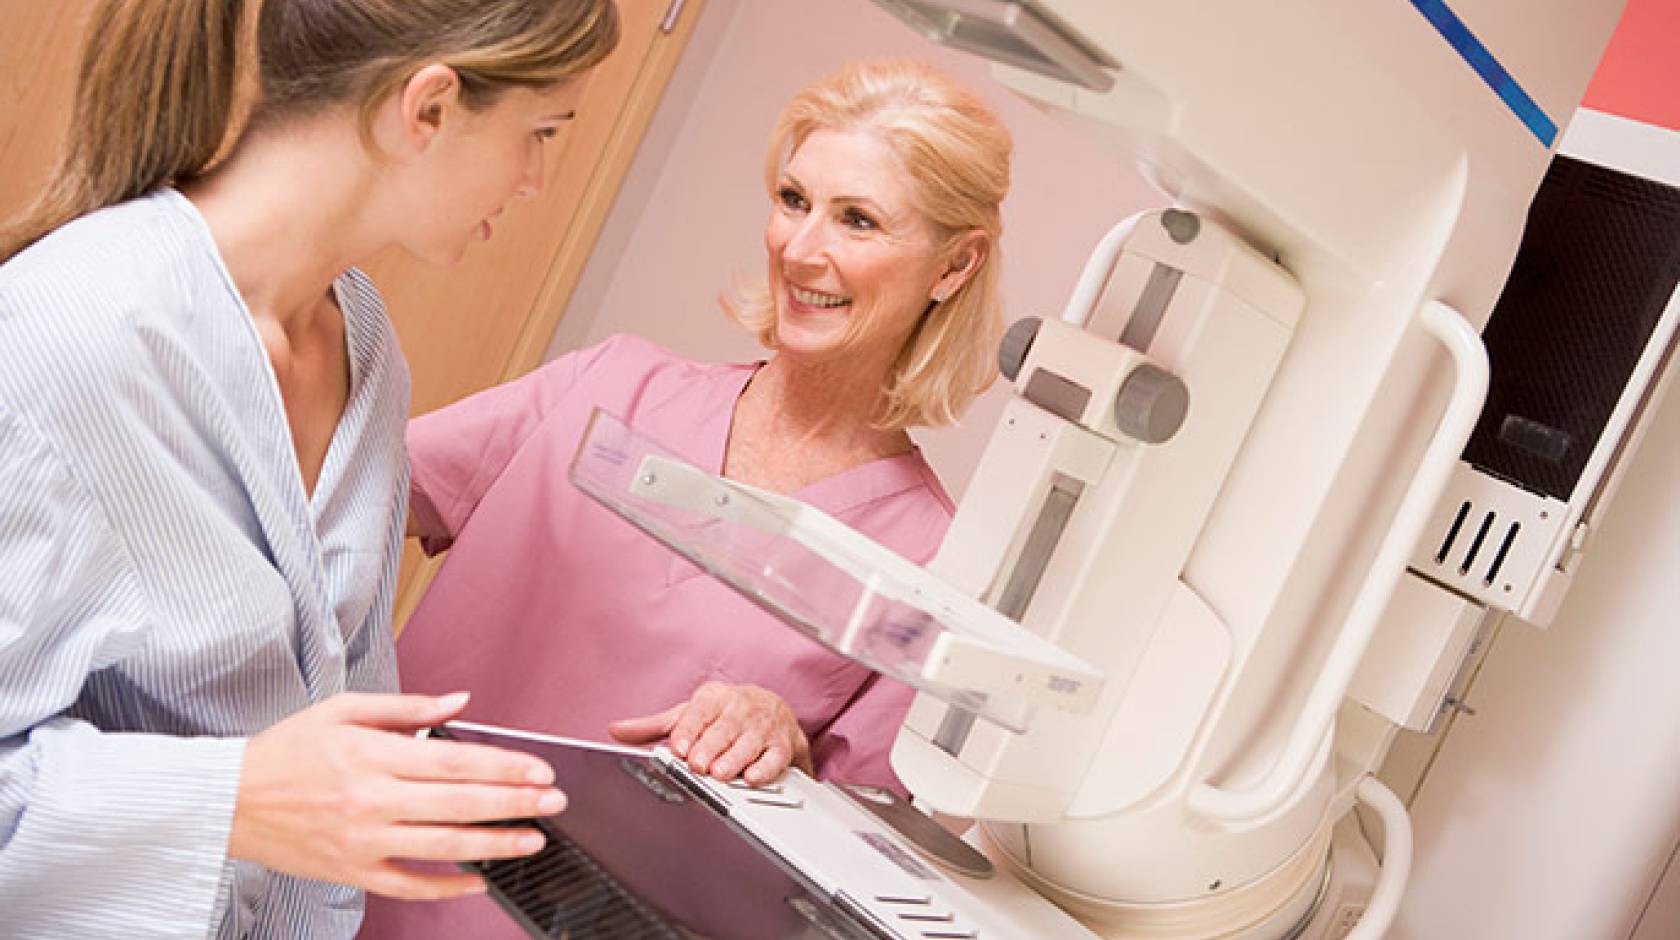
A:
[(99, 833)]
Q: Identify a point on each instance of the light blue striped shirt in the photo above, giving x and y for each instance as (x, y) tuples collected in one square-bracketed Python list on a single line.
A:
[(167, 586)]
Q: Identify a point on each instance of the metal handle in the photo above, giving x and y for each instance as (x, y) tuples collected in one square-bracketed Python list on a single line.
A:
[(1094, 277), (1316, 723), (1396, 870)]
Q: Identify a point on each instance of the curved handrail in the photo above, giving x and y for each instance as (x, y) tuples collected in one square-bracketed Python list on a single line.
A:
[(1396, 870), (1316, 722), (1088, 290)]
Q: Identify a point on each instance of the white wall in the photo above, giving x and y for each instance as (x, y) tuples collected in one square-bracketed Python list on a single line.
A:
[(692, 213), (1661, 918), (1551, 813)]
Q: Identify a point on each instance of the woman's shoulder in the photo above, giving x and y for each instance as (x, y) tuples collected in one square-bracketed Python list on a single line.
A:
[(636, 361), (900, 502), (910, 481), (933, 489), (628, 350), (86, 286), (97, 272), (143, 229)]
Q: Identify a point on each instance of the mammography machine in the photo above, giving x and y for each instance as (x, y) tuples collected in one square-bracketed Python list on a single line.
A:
[(1257, 489)]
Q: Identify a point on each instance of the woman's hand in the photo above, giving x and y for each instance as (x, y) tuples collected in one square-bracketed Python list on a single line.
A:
[(727, 731), (342, 790)]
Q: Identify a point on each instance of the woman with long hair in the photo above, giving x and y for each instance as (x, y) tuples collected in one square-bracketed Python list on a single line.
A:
[(202, 478)]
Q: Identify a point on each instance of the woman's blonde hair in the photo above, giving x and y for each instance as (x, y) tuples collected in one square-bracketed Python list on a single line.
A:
[(955, 153), (156, 91)]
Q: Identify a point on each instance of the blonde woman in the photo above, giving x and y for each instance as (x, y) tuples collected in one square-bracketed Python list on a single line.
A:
[(202, 478), (880, 310)]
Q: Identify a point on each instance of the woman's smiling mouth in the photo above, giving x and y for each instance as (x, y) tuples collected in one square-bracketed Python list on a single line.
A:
[(812, 298)]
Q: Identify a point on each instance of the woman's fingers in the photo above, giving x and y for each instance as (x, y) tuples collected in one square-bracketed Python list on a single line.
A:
[(725, 730), (332, 794), (802, 754), (394, 712), (697, 716), (646, 729), (458, 843), (472, 803), (710, 743), (396, 881), (737, 753), (459, 762), (769, 765)]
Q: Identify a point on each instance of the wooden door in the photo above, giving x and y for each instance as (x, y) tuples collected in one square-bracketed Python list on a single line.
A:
[(39, 47), (484, 321)]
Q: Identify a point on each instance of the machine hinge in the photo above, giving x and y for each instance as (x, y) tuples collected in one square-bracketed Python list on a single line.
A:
[(1577, 545)]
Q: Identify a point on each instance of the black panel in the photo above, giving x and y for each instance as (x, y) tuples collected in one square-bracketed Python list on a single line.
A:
[(638, 854), (1599, 260)]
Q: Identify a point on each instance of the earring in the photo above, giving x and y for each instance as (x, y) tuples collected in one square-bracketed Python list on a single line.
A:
[(940, 294)]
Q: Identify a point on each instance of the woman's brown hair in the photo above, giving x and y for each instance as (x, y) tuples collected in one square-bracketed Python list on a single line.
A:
[(156, 91)]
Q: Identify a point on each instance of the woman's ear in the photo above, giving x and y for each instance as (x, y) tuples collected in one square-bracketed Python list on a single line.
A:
[(966, 257), (424, 102)]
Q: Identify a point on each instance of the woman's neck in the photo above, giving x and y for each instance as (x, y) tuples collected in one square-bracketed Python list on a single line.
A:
[(288, 214), (831, 404)]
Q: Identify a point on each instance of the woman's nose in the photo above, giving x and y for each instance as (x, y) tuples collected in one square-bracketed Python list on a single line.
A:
[(807, 245), (531, 182)]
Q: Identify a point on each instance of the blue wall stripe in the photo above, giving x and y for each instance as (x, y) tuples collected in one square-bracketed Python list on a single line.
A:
[(1447, 23)]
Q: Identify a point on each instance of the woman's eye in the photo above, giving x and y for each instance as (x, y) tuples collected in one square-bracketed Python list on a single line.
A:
[(791, 198), (857, 219), (548, 133)]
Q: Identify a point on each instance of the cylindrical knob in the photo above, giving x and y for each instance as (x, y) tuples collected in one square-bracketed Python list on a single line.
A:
[(1181, 226), (1151, 405), (1017, 342)]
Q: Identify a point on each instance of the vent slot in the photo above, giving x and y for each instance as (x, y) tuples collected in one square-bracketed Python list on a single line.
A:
[(1476, 544), (1452, 533), (562, 892), (1504, 549)]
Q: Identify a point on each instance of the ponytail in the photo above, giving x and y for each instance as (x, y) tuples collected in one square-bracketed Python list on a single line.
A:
[(156, 98), (154, 101)]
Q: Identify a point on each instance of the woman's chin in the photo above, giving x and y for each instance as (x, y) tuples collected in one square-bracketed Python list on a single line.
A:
[(439, 256), (810, 334), (809, 339)]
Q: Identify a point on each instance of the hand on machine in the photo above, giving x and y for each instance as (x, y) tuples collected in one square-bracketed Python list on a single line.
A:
[(726, 731)]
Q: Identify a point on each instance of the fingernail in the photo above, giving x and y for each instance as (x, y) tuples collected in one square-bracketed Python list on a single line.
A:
[(454, 701), (540, 774), (551, 803), (531, 843), (679, 747), (478, 888)]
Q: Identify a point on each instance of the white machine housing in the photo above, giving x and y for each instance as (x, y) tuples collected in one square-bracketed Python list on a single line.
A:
[(1384, 155), (1223, 457), (1497, 545), (1505, 541)]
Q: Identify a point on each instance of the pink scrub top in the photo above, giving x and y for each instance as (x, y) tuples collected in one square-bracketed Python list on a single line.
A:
[(560, 617)]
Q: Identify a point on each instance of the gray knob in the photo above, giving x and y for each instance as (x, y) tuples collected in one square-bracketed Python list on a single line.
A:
[(1151, 405), (1181, 226), (1017, 342)]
